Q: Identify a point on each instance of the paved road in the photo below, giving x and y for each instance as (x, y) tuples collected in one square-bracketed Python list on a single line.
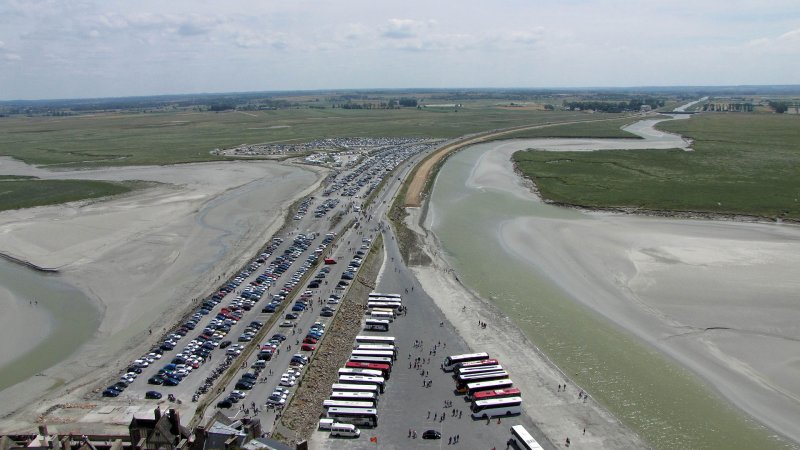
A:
[(406, 403)]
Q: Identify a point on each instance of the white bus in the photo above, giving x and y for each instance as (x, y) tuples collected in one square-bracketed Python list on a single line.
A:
[(380, 382), (522, 440), (371, 359), (380, 323), (356, 396), (350, 387), (375, 340), (347, 404), (381, 315), (481, 369), (377, 347), (365, 372), (472, 388), (382, 295), (450, 362), (380, 353), (383, 310), (389, 305), (357, 416), (496, 407), (464, 380)]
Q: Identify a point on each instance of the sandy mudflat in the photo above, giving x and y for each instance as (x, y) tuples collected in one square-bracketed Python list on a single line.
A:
[(557, 414), (141, 257), (20, 311)]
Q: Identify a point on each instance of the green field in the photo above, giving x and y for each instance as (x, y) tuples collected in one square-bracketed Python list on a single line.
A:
[(26, 192), (595, 129), (176, 137), (742, 164)]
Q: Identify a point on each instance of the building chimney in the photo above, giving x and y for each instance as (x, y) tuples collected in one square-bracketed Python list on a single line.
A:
[(157, 413), (175, 420), (43, 429)]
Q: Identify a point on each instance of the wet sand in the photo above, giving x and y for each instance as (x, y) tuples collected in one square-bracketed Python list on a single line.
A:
[(18, 310), (718, 297), (141, 258)]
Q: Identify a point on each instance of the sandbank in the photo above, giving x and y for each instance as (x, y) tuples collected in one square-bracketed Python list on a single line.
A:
[(142, 257)]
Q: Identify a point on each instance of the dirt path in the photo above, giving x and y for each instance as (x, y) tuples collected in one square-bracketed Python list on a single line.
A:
[(423, 172)]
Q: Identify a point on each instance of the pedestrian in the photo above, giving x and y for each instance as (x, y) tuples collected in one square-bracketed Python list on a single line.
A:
[(567, 442), (409, 432), (429, 416), (584, 431), (458, 437), (449, 440)]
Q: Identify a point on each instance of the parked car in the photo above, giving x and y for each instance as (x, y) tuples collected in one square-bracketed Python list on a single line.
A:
[(153, 395), (431, 434)]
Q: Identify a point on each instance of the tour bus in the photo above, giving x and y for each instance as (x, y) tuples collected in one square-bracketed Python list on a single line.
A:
[(392, 301), (379, 323), (474, 388), (389, 305), (389, 311), (497, 393), (379, 317), (357, 416), (385, 369), (463, 380), (350, 387), (482, 362), (371, 359), (381, 353), (356, 396), (522, 440), (382, 295), (380, 382), (375, 340), (496, 407), (377, 347), (450, 362), (365, 372), (474, 370), (347, 404)]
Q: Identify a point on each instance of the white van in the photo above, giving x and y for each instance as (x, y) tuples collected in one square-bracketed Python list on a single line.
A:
[(325, 424), (345, 430)]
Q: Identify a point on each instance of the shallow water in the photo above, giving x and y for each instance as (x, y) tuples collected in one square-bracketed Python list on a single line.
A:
[(72, 316), (668, 406)]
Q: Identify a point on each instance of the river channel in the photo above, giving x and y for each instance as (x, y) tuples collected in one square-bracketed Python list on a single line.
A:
[(484, 216)]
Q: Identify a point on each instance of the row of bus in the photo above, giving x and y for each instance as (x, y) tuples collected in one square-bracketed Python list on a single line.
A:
[(484, 381), (354, 398), (382, 309)]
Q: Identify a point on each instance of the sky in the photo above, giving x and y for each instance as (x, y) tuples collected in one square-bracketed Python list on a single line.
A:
[(113, 48)]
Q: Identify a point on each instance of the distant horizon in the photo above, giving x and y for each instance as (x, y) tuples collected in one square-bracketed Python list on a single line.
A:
[(554, 89), (61, 49)]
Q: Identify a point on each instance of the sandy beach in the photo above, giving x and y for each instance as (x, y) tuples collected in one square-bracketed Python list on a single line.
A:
[(141, 258), (18, 310)]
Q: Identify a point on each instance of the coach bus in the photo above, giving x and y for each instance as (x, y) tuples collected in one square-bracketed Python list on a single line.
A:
[(367, 417), (522, 440), (365, 372), (380, 382), (378, 318), (482, 362), (371, 359), (377, 347), (464, 380), (380, 353), (450, 362), (496, 407), (474, 388), (497, 393), (481, 369), (351, 387), (389, 311), (356, 396), (388, 305), (382, 295), (385, 369), (347, 404), (375, 340)]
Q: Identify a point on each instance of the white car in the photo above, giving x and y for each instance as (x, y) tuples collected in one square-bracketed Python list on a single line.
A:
[(287, 381), (155, 355), (239, 394)]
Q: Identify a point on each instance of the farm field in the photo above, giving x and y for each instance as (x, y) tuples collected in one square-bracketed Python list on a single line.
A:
[(176, 137), (742, 164)]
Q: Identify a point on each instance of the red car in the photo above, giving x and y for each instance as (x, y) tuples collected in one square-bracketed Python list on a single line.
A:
[(308, 348), (309, 340)]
